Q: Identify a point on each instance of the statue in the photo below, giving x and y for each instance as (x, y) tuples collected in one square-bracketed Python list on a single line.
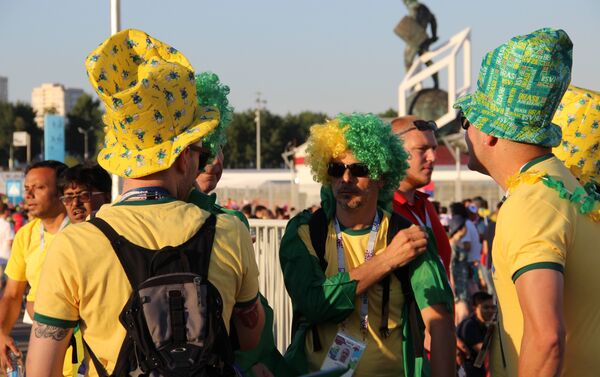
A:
[(412, 29)]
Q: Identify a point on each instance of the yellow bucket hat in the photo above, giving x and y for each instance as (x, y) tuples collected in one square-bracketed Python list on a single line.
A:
[(149, 91), (579, 117)]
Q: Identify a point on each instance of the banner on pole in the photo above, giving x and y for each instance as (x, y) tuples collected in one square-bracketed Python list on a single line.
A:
[(54, 137)]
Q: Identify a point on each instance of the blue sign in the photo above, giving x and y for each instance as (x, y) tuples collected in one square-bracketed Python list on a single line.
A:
[(14, 190), (54, 137)]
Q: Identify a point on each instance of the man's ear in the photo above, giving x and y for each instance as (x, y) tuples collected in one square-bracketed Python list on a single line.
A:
[(182, 161), (490, 140)]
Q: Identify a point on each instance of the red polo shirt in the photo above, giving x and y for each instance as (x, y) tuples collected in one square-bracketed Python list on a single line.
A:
[(422, 204)]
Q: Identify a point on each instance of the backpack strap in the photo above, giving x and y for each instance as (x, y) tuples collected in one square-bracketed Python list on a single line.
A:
[(209, 229), (396, 223), (116, 240), (403, 275), (97, 364), (317, 226)]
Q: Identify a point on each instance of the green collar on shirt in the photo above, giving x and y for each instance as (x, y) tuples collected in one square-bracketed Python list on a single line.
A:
[(535, 161)]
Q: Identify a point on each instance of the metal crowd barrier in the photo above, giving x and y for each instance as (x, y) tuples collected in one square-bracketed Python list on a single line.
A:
[(268, 235)]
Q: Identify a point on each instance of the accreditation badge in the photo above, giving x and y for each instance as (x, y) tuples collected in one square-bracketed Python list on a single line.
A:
[(345, 352)]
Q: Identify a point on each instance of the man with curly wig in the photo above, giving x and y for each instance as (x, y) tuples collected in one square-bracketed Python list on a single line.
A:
[(211, 92), (343, 273), (264, 358)]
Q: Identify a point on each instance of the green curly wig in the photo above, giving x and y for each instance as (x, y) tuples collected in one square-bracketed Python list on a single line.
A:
[(210, 92), (370, 140)]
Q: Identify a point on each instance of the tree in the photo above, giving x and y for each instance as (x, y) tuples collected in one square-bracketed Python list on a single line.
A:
[(277, 135), (25, 121), (6, 130), (240, 148), (18, 117), (389, 113), (86, 114)]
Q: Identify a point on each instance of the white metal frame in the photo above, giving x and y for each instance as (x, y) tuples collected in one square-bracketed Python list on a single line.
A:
[(418, 73)]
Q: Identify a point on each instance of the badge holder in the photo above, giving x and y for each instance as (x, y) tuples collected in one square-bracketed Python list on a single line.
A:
[(345, 352)]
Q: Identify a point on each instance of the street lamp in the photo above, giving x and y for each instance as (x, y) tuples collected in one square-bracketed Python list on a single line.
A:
[(85, 131), (259, 104)]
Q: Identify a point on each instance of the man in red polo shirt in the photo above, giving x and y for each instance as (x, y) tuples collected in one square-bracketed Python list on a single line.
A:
[(419, 142)]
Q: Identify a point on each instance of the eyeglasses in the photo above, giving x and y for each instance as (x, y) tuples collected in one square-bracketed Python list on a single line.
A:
[(464, 122), (337, 169), (83, 197), (204, 155), (421, 125)]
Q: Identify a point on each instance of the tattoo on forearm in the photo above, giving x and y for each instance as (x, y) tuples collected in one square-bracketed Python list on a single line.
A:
[(46, 331), (248, 316)]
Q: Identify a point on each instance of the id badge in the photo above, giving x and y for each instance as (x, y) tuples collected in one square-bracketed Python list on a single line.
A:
[(345, 352)]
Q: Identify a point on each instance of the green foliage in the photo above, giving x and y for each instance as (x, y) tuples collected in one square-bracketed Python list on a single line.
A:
[(18, 117), (389, 113), (86, 114), (277, 135)]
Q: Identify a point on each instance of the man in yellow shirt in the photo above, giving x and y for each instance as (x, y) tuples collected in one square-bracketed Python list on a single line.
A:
[(29, 247), (546, 233), (352, 289), (153, 140), (84, 189)]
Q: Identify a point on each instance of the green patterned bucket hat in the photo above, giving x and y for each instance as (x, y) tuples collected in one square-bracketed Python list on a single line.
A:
[(519, 87)]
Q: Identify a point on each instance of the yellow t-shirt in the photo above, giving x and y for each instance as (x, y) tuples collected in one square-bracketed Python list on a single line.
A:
[(84, 281), (27, 255), (537, 229), (383, 355), (25, 265)]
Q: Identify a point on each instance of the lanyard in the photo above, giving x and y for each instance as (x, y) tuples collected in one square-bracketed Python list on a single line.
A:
[(145, 193), (427, 223), (64, 223), (364, 301)]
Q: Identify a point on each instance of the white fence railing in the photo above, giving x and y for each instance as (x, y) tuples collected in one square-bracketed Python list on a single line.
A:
[(268, 236)]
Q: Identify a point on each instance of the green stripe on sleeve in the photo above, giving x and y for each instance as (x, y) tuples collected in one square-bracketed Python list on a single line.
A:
[(537, 266), (63, 324)]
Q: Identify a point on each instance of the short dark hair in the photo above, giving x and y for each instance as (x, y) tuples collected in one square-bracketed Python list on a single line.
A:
[(57, 166), (87, 175), (480, 202), (458, 208), (479, 297)]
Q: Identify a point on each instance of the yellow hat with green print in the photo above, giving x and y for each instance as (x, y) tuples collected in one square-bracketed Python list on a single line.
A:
[(519, 87), (149, 92), (579, 117)]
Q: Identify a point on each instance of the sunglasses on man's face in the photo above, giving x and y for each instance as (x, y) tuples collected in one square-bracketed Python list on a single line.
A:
[(464, 122), (83, 197), (204, 156), (421, 125), (337, 169)]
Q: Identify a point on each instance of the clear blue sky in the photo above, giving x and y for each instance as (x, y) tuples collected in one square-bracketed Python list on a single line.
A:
[(319, 55)]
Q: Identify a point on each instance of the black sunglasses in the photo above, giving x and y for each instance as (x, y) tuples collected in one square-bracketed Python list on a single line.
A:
[(464, 122), (204, 156), (337, 169), (421, 125)]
